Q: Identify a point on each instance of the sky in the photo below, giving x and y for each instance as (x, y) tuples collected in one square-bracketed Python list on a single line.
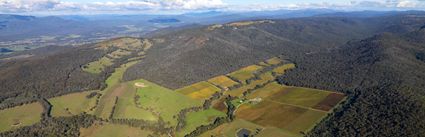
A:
[(181, 6)]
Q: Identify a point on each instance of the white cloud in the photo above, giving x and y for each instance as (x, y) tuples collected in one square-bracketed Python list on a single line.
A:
[(30, 6), (192, 4), (134, 5)]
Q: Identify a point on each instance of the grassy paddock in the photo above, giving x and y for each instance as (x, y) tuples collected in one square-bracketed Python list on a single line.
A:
[(196, 119), (112, 90), (20, 116), (113, 130), (72, 104), (97, 66), (126, 107), (164, 101)]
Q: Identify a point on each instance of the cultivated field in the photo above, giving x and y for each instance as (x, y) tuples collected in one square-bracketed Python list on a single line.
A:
[(245, 73), (306, 97), (72, 104), (230, 129), (281, 69), (239, 91), (295, 110), (201, 90), (20, 116), (223, 81)]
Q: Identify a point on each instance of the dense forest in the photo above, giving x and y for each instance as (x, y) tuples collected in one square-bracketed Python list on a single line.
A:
[(196, 54), (48, 75), (384, 81)]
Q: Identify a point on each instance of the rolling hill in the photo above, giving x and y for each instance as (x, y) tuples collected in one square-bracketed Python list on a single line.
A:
[(197, 53)]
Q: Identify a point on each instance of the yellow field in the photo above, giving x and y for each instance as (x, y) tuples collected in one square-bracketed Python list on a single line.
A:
[(263, 64), (200, 90), (245, 73), (20, 116), (223, 81), (72, 104), (281, 69), (274, 61)]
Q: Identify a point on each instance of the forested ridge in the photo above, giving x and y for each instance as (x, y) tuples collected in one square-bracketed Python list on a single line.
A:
[(199, 53), (383, 79)]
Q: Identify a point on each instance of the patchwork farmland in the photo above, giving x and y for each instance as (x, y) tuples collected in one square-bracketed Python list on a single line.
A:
[(248, 101)]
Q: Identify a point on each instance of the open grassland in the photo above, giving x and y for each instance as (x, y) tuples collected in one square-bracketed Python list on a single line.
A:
[(119, 53), (245, 73), (126, 43), (281, 69), (121, 47), (113, 130), (72, 104), (274, 61), (222, 81), (126, 107), (163, 101), (113, 90), (201, 90), (98, 66), (196, 119), (20, 116)]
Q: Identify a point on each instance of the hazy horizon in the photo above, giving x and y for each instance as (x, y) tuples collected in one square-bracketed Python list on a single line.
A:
[(95, 7)]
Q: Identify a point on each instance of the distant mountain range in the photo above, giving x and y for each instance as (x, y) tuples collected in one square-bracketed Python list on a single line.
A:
[(34, 32)]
